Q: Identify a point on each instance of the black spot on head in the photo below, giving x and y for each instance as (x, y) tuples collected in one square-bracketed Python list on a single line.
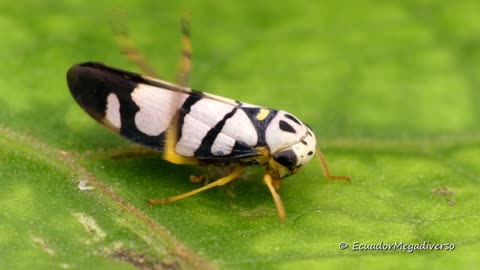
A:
[(304, 142), (310, 153), (286, 158), (286, 127), (289, 116)]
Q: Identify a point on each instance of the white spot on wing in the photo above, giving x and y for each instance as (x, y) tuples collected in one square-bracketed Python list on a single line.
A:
[(113, 110), (222, 145), (203, 116), (240, 128), (157, 108), (193, 132)]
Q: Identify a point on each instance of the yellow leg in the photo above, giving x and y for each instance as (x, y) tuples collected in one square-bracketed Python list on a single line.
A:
[(185, 61), (128, 48), (326, 170), (220, 182), (267, 179)]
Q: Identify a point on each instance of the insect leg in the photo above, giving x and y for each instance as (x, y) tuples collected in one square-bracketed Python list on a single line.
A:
[(185, 61), (220, 182), (326, 170), (267, 179), (199, 178), (128, 48)]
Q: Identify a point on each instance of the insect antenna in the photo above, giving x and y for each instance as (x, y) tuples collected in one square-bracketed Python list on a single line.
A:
[(326, 170)]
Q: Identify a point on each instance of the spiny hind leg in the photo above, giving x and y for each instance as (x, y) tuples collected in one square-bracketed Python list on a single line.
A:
[(185, 61), (326, 170), (127, 46), (220, 182)]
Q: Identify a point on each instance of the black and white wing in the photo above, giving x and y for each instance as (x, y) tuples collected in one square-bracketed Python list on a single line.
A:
[(146, 110)]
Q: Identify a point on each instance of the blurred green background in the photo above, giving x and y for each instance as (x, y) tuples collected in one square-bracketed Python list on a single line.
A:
[(389, 87)]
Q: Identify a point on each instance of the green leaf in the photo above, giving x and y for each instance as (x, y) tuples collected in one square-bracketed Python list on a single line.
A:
[(390, 89)]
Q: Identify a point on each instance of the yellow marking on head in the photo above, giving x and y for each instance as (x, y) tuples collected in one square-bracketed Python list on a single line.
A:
[(262, 114)]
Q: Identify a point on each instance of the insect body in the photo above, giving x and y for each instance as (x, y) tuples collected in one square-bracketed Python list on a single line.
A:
[(193, 127)]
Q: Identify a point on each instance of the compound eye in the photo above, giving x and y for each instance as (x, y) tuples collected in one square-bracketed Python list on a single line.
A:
[(287, 159)]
